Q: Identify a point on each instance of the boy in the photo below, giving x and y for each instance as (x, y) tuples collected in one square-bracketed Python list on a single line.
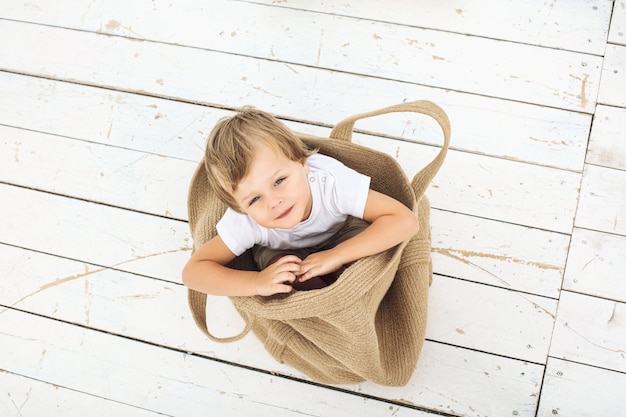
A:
[(304, 215)]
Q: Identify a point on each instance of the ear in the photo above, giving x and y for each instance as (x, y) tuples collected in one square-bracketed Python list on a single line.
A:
[(305, 164)]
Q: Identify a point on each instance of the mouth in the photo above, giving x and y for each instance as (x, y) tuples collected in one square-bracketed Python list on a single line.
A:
[(284, 213)]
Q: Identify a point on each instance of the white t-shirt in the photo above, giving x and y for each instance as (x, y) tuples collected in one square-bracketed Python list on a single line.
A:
[(337, 191)]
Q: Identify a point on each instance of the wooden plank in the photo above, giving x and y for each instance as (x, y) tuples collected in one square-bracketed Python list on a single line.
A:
[(602, 205), (606, 144), (27, 397), (238, 27), (150, 310), (131, 121), (498, 253), (135, 180), (490, 251), (596, 265), (162, 380), (494, 188), (522, 322), (96, 292), (466, 247), (438, 383), (613, 86), (94, 172), (617, 33), (445, 374), (579, 26), (102, 235), (500, 128), (500, 69), (590, 330), (572, 389), (500, 263), (491, 68), (119, 303)]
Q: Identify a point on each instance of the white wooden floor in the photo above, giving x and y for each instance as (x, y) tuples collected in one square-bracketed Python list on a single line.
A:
[(104, 108)]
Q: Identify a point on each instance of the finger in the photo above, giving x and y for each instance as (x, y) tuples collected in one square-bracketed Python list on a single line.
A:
[(287, 278), (289, 259), (284, 288), (289, 268), (306, 275), (308, 269)]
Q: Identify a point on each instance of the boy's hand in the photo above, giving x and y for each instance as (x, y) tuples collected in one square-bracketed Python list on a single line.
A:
[(319, 264), (278, 276)]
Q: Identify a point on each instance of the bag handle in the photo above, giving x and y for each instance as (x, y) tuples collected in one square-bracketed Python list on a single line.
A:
[(421, 180), (197, 302)]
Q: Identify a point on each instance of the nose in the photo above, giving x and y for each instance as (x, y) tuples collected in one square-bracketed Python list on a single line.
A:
[(275, 200)]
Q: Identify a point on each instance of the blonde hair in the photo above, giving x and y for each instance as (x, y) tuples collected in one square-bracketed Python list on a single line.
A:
[(233, 142)]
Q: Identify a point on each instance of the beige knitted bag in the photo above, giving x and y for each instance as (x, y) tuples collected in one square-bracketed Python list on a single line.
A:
[(370, 324)]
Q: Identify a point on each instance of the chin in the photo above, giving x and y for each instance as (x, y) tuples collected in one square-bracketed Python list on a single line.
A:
[(286, 226), (287, 223)]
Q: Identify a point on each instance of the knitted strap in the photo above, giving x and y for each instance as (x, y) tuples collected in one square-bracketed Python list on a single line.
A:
[(421, 180), (197, 302)]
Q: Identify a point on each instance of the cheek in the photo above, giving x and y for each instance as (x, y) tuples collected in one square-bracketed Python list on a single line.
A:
[(259, 219), (306, 185), (253, 211)]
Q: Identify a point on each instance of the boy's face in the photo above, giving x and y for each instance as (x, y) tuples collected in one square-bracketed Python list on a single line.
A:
[(276, 191)]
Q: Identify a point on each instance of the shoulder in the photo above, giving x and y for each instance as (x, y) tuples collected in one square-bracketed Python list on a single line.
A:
[(325, 163), (336, 168), (231, 215), (238, 231), (341, 187), (320, 161), (234, 220)]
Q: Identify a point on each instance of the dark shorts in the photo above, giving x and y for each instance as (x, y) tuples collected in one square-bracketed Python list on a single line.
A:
[(352, 227)]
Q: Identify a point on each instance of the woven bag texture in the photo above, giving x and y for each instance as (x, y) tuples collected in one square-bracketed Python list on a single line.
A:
[(371, 323)]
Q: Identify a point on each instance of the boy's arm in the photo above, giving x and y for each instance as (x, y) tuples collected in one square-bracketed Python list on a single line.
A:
[(391, 223), (206, 272)]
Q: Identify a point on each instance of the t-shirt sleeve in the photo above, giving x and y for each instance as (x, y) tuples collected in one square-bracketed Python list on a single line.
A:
[(351, 190), (238, 232)]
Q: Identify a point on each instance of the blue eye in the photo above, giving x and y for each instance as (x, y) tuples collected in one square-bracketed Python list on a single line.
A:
[(280, 181), (254, 200)]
